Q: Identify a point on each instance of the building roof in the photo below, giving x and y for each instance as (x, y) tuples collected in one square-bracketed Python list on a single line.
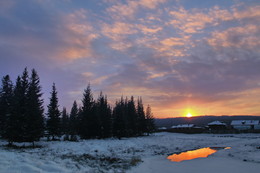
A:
[(217, 123), (244, 122), (183, 126)]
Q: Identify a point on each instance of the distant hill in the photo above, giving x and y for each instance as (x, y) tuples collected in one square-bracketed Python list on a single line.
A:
[(200, 120)]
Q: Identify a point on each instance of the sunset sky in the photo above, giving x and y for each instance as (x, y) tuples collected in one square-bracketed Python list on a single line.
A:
[(197, 56)]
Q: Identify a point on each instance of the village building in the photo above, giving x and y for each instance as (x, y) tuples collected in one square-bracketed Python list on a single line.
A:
[(246, 124), (186, 128), (217, 127)]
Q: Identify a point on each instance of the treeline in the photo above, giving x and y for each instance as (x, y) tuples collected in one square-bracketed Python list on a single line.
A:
[(22, 114)]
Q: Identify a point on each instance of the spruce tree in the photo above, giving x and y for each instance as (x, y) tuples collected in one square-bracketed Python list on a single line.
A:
[(17, 122), (64, 122), (14, 129), (6, 94), (132, 117), (73, 121), (119, 127), (87, 122), (141, 122), (103, 115), (53, 122), (34, 112), (150, 126)]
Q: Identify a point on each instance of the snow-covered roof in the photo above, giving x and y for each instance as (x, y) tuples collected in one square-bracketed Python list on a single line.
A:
[(244, 122), (217, 123), (183, 126)]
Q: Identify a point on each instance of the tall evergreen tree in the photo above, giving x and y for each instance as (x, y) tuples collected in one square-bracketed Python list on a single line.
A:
[(141, 124), (14, 131), (34, 112), (119, 126), (6, 94), (64, 122), (150, 126), (53, 122), (17, 122), (132, 117), (73, 120), (103, 116), (87, 122)]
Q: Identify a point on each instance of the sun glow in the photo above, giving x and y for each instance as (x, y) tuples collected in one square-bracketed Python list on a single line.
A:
[(189, 115)]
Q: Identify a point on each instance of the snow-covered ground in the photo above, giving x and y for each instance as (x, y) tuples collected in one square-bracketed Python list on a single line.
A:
[(134, 155)]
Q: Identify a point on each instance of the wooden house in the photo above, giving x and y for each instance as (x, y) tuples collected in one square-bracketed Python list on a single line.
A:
[(246, 124)]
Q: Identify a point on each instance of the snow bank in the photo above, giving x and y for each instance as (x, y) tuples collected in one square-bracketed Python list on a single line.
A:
[(148, 153)]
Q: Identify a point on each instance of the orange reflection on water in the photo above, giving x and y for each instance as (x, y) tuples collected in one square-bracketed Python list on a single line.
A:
[(189, 155)]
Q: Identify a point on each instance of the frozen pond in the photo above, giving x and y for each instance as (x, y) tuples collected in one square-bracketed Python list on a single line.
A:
[(194, 154)]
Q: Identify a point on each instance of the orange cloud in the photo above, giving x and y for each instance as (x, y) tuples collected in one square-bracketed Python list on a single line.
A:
[(78, 39), (118, 30), (249, 12), (129, 9), (170, 47), (120, 45), (220, 15), (126, 10), (195, 20), (151, 3), (153, 75), (146, 30), (189, 22), (246, 37), (173, 41)]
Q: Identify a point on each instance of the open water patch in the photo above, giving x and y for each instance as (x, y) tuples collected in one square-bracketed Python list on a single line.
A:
[(194, 154)]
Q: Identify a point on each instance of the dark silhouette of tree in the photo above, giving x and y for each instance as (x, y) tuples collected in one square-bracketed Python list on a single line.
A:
[(6, 95), (131, 118), (17, 122), (87, 121), (53, 122), (22, 120), (15, 127), (119, 126), (64, 122), (150, 126), (34, 113), (103, 117), (141, 122), (74, 121)]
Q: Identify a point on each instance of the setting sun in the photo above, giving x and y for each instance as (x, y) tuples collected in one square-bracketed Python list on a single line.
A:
[(189, 115)]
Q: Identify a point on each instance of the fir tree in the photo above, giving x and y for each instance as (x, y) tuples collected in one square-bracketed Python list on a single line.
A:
[(53, 122), (14, 129), (87, 122), (64, 122), (132, 117), (34, 112), (119, 127), (150, 126), (103, 116), (73, 120), (17, 122), (141, 124), (6, 94)]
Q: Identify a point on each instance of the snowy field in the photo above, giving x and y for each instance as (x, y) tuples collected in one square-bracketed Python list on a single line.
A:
[(136, 155)]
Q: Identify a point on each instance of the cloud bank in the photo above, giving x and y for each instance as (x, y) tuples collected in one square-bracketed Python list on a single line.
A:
[(175, 54)]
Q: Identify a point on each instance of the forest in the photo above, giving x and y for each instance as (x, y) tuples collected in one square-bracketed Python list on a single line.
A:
[(23, 119)]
